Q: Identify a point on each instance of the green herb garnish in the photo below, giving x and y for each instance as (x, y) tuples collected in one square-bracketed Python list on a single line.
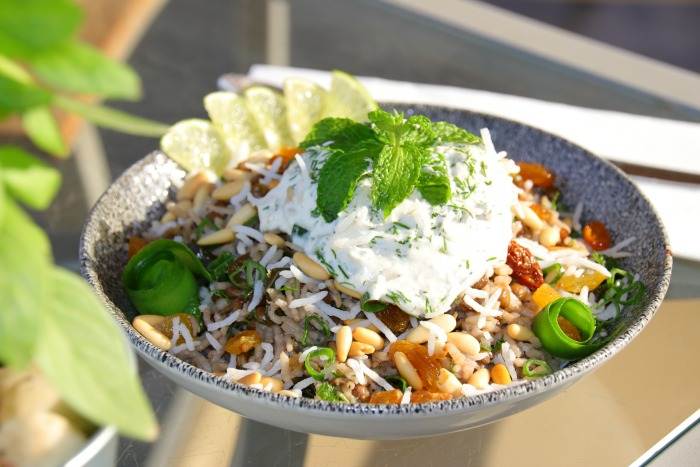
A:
[(553, 273), (219, 267), (371, 306), (398, 382), (397, 297), (396, 148), (328, 392), (204, 224), (307, 326), (243, 277), (299, 231)]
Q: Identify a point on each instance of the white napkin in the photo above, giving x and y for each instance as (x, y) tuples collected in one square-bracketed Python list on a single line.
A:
[(654, 142)]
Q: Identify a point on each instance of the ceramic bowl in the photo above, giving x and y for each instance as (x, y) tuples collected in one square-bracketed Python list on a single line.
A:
[(137, 197)]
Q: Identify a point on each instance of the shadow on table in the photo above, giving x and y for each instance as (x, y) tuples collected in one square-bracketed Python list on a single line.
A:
[(258, 444)]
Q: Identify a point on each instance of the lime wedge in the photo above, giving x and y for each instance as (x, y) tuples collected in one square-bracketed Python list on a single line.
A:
[(195, 144), (305, 102), (240, 132), (348, 98), (270, 113)]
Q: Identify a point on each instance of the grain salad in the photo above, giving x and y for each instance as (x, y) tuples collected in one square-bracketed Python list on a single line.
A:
[(396, 261)]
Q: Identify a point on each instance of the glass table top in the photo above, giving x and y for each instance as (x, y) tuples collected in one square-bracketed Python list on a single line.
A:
[(189, 46)]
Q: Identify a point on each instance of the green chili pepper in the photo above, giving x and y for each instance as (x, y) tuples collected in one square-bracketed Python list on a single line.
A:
[(160, 279), (554, 340), (534, 368), (326, 357)]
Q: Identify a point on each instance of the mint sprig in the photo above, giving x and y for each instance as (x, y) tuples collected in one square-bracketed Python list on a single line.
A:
[(397, 152)]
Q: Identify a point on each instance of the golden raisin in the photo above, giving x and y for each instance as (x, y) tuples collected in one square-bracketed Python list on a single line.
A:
[(525, 268), (243, 342), (428, 367), (395, 318), (542, 212), (386, 397), (540, 176), (287, 155), (135, 245), (166, 326), (422, 396), (596, 235)]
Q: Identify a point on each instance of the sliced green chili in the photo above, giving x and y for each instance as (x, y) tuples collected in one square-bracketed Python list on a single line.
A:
[(307, 325), (534, 368), (553, 273), (325, 358), (161, 279), (547, 329)]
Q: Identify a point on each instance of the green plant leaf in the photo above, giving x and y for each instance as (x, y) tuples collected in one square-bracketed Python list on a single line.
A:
[(446, 132), (28, 27), (27, 178), (14, 71), (42, 128), (24, 264), (80, 68), (111, 118), (18, 97), (342, 131), (434, 181), (85, 356)]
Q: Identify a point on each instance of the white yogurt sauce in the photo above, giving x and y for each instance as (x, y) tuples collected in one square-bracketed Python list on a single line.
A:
[(421, 257)]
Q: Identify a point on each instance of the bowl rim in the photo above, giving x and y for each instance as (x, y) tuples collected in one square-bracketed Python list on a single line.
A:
[(519, 390)]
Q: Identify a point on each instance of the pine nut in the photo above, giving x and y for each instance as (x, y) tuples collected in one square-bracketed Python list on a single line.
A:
[(233, 175), (191, 185), (243, 215), (550, 236), (275, 384), (466, 343), (347, 290), (480, 378), (448, 383), (216, 238), (532, 220), (310, 267), (167, 217), (503, 270), (200, 198), (343, 339), (520, 333), (253, 378), (407, 371), (420, 334), (273, 239), (181, 208), (358, 349), (227, 190), (500, 375), (367, 336), (146, 326)]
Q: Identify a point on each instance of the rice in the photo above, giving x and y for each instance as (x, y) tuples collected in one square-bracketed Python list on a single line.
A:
[(230, 319), (308, 300)]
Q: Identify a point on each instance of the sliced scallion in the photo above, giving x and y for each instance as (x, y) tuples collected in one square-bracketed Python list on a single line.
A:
[(320, 362), (534, 368)]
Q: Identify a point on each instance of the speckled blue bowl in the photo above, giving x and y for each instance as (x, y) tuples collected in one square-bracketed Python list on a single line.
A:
[(137, 197)]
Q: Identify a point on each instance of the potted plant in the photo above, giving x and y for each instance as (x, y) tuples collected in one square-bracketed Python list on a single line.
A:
[(65, 368)]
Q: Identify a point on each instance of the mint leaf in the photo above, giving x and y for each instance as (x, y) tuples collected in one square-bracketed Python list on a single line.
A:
[(446, 132), (85, 356), (18, 97), (41, 127), (28, 27), (27, 178), (434, 180), (398, 166), (24, 260), (80, 68), (340, 174), (342, 132)]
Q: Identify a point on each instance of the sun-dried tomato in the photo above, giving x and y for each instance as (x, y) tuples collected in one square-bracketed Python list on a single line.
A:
[(526, 270), (395, 318), (386, 397), (596, 235), (423, 396), (540, 176), (428, 367)]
